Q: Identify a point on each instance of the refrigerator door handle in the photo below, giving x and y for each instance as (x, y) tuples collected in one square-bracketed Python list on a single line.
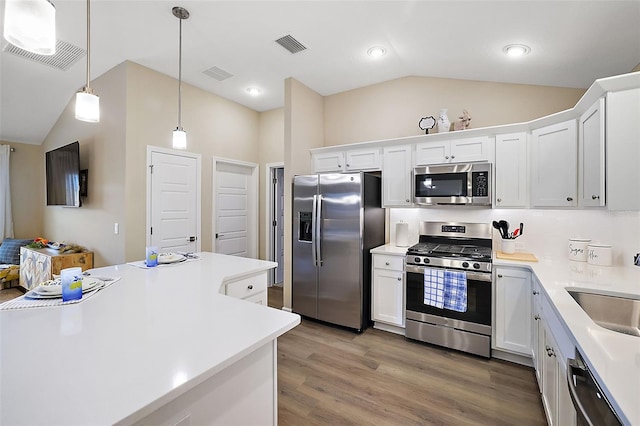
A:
[(318, 232), (314, 213)]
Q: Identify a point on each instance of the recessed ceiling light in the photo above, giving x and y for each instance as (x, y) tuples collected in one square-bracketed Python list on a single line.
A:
[(376, 52), (516, 50), (254, 91)]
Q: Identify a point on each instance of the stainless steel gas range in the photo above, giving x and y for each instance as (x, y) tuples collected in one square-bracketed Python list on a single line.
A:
[(449, 288)]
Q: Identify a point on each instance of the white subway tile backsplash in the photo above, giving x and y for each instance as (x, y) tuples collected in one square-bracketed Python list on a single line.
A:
[(545, 231)]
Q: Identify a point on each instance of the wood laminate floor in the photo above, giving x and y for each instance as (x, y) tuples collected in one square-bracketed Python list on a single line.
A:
[(328, 375)]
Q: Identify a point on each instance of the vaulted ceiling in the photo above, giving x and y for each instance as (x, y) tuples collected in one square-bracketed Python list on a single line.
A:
[(572, 44)]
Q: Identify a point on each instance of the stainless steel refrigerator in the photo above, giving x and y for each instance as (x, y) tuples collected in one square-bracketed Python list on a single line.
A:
[(337, 219)]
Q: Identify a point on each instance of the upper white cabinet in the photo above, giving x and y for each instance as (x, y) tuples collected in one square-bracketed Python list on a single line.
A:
[(511, 170), (349, 160), (591, 156), (513, 310), (623, 150), (396, 176), (453, 151), (554, 165)]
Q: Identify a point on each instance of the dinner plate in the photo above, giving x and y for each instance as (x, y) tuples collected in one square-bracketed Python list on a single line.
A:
[(54, 287), (170, 258), (32, 295)]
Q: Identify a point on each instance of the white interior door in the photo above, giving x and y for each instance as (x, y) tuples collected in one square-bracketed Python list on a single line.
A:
[(236, 207), (173, 200)]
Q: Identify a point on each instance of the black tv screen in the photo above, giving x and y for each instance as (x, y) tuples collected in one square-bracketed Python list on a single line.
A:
[(63, 176)]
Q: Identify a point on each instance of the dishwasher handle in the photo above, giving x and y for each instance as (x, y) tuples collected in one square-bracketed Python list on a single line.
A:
[(576, 369)]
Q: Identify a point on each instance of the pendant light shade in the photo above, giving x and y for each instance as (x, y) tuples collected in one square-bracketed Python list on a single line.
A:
[(88, 103), (87, 106), (179, 135), (31, 25)]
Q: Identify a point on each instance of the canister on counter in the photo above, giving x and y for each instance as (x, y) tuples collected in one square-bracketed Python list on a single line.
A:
[(578, 250), (600, 254)]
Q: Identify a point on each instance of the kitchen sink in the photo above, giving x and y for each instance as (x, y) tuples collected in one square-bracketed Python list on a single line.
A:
[(617, 313)]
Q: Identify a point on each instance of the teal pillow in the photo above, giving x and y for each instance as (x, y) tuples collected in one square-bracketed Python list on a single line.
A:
[(10, 250)]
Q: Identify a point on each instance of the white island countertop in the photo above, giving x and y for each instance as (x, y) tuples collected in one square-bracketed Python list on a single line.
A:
[(137, 344), (613, 357)]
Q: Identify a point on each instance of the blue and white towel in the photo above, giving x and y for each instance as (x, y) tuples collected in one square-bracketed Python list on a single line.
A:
[(434, 287), (455, 291)]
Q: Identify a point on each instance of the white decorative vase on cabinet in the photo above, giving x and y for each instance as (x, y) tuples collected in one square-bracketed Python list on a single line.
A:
[(443, 121)]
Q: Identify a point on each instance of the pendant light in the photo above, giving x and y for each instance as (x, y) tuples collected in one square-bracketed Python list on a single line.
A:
[(179, 135), (31, 25), (87, 103)]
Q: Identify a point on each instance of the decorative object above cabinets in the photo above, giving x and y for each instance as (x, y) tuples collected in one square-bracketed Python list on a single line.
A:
[(453, 151)]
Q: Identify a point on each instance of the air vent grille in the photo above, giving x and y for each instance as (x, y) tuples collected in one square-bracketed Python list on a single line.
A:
[(66, 55), (291, 44), (217, 73)]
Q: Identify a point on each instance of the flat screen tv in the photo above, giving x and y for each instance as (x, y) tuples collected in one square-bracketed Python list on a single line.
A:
[(63, 176)]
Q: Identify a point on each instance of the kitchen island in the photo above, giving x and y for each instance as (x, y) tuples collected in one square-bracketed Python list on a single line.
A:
[(159, 346)]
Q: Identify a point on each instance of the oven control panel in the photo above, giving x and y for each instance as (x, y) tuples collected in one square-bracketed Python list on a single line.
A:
[(470, 265)]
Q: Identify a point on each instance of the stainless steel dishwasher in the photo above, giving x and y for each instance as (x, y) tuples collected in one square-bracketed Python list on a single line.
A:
[(591, 404)]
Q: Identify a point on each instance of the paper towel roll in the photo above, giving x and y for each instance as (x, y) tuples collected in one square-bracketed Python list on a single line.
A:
[(402, 234)]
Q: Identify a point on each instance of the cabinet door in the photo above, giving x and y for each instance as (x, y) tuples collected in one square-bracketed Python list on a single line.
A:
[(591, 160), (536, 311), (433, 153), (396, 176), (511, 170), (470, 149), (388, 296), (513, 310), (363, 159), (328, 162), (550, 377), (554, 165)]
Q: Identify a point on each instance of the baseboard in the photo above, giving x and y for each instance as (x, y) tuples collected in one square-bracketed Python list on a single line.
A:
[(388, 327), (515, 358)]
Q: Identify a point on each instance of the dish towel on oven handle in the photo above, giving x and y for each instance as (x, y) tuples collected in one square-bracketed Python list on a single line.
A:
[(434, 288), (455, 290)]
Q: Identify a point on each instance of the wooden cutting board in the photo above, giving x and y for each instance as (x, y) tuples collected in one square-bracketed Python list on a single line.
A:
[(523, 256)]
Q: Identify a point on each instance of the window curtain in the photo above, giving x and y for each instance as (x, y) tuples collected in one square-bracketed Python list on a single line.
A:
[(6, 219)]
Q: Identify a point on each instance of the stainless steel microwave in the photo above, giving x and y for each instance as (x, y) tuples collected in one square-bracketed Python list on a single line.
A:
[(453, 184)]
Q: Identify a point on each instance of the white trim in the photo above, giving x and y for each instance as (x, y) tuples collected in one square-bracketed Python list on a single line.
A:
[(253, 208), (181, 153), (269, 205)]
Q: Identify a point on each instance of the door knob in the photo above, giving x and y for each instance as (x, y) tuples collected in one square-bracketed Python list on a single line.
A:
[(499, 200), (453, 156), (399, 279), (569, 198), (446, 157), (386, 263)]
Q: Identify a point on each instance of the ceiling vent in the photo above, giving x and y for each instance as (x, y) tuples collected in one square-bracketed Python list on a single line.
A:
[(217, 73), (66, 55), (291, 44)]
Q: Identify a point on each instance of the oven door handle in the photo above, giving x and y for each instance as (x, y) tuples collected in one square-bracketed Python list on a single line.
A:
[(476, 276)]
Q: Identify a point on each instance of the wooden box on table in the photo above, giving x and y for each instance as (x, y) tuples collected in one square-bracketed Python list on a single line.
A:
[(38, 265)]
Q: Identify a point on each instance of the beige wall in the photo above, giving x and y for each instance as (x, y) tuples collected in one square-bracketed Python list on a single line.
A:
[(303, 129), (26, 173), (393, 109), (270, 150), (102, 152), (215, 127)]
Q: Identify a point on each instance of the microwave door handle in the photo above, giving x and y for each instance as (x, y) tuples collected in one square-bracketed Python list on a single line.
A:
[(313, 231), (318, 232), (574, 369)]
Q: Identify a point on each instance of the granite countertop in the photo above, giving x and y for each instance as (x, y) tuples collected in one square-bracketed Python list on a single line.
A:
[(613, 357), (144, 340)]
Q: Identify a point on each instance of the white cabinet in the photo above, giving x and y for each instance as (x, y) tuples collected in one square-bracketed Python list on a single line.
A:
[(554, 165), (554, 346), (388, 304), (591, 156), (511, 170), (252, 288), (396, 176), (348, 160), (623, 150), (453, 151), (513, 310), (537, 344)]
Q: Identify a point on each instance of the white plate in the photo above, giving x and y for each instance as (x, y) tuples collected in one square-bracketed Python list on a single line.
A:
[(54, 287), (170, 258)]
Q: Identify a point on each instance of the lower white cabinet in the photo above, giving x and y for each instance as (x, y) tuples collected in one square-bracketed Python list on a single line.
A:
[(513, 310), (388, 304), (252, 288)]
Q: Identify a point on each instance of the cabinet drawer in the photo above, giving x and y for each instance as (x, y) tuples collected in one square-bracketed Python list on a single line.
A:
[(382, 261), (246, 287)]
